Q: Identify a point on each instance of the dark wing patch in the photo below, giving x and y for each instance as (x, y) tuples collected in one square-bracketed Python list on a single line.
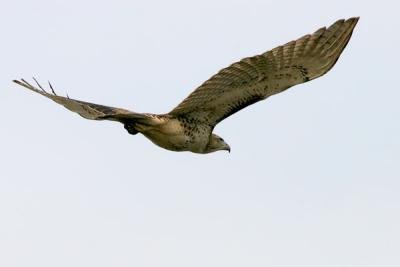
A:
[(241, 104)]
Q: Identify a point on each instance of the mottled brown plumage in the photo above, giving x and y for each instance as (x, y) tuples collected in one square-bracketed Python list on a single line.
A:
[(189, 126)]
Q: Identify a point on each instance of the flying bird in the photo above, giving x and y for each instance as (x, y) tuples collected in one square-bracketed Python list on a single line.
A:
[(189, 126)]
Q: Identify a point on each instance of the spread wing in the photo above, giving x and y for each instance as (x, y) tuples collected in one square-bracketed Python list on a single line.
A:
[(86, 110), (256, 78)]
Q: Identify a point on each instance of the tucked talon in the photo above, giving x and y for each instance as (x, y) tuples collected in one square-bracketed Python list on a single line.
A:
[(130, 127)]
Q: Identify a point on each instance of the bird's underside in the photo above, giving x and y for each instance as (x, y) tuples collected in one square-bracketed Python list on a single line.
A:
[(189, 126)]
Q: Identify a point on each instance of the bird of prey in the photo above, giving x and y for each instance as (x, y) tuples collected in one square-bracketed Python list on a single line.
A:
[(189, 126)]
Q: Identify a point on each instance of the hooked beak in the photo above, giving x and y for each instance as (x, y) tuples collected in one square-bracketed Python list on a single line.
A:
[(228, 149)]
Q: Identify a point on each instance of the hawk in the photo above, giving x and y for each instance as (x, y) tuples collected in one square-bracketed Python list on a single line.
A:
[(189, 126)]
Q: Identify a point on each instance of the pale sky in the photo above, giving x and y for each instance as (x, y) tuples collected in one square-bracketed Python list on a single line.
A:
[(313, 178)]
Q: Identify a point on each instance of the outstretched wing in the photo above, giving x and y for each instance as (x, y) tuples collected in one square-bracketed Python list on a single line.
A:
[(86, 110), (255, 78)]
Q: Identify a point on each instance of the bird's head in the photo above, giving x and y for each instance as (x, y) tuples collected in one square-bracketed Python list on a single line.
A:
[(216, 143)]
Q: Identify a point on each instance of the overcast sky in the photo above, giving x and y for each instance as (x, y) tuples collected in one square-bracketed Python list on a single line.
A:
[(313, 178)]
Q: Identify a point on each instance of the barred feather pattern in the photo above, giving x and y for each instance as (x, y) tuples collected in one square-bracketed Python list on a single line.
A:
[(255, 78)]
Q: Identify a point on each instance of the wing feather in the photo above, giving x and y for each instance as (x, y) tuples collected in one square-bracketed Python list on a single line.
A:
[(85, 109), (256, 78)]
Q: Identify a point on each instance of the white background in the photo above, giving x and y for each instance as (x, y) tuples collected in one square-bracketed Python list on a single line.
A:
[(313, 178)]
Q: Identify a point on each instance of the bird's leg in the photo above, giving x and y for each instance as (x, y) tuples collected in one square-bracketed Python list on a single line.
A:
[(130, 127)]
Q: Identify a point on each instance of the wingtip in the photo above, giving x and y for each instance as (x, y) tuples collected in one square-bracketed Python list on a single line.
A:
[(351, 20), (17, 82), (354, 20)]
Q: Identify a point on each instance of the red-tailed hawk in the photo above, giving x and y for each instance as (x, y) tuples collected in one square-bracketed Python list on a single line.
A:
[(189, 126)]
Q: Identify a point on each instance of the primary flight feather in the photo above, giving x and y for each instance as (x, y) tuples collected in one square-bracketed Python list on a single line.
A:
[(189, 126)]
